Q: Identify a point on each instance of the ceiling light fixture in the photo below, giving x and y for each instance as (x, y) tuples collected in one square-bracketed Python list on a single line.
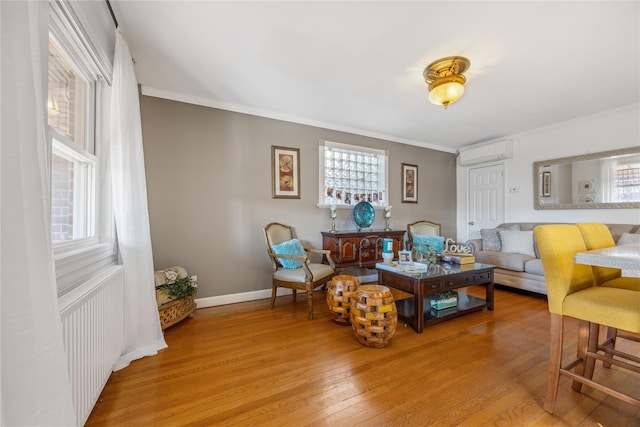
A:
[(445, 79)]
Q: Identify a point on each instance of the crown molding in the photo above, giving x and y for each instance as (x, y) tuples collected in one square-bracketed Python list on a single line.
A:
[(262, 112)]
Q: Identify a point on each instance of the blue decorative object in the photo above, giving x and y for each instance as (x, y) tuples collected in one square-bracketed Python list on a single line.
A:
[(434, 242), (290, 247), (364, 215)]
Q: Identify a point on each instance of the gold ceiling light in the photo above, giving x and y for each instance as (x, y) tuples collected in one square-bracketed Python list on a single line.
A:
[(445, 79)]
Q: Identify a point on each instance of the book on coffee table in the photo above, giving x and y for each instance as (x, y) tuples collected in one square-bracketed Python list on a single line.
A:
[(458, 258)]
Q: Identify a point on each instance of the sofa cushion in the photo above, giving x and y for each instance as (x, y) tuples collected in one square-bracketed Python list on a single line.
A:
[(491, 237), (517, 242), (534, 267), (628, 238), (504, 260)]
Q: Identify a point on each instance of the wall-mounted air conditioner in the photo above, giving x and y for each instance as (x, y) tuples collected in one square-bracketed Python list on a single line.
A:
[(499, 150)]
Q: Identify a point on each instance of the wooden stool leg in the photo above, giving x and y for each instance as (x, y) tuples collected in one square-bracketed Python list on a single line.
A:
[(555, 359), (610, 343), (587, 341)]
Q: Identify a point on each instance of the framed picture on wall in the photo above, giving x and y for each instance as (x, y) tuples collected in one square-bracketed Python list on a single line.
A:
[(546, 184), (285, 168), (409, 183)]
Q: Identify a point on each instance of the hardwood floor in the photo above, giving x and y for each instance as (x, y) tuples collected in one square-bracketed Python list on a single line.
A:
[(247, 365)]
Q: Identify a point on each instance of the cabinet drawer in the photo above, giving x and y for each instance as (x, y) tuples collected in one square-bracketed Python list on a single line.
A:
[(482, 277), (458, 280), (434, 285)]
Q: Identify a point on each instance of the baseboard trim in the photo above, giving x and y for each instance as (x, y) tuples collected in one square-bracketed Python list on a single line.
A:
[(240, 297)]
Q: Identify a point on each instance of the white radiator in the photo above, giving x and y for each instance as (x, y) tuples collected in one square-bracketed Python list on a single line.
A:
[(92, 323)]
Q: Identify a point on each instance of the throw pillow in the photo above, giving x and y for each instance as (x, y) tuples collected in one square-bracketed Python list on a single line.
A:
[(628, 238), (434, 242), (517, 242), (290, 247), (490, 239)]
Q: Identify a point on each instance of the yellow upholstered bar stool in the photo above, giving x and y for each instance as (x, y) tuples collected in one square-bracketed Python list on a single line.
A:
[(598, 236), (571, 293)]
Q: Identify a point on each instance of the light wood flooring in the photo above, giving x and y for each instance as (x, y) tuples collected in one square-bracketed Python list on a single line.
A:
[(247, 365)]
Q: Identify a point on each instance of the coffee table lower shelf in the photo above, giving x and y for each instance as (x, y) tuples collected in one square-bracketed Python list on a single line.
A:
[(466, 304)]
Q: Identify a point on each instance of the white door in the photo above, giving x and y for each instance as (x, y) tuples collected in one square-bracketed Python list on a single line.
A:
[(486, 198)]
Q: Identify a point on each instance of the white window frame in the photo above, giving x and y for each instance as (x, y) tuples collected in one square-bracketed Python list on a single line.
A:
[(322, 203), (84, 183), (78, 260)]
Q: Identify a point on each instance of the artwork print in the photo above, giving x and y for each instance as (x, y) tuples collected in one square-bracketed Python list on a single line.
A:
[(285, 167), (409, 183)]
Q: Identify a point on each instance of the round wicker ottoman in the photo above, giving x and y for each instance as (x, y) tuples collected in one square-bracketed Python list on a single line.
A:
[(339, 297), (374, 316)]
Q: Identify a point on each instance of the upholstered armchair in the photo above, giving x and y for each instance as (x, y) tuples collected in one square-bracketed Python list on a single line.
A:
[(421, 228), (572, 293), (292, 267)]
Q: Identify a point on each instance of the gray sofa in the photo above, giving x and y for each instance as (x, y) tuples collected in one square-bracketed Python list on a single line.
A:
[(524, 271)]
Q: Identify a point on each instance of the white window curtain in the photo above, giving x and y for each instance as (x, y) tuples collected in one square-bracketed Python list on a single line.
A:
[(608, 180), (143, 334), (35, 382)]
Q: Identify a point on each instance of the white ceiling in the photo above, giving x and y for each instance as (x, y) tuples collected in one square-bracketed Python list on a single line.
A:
[(357, 66)]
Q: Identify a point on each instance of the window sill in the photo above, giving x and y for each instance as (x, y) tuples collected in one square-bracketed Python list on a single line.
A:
[(78, 263), (349, 207)]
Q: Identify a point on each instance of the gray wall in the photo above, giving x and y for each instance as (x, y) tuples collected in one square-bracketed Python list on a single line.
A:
[(209, 189)]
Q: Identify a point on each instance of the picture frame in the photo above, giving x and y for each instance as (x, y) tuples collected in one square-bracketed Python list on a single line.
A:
[(409, 183), (546, 184), (285, 170), (404, 258)]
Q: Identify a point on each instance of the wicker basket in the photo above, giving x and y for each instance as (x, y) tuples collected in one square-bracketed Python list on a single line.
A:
[(175, 311)]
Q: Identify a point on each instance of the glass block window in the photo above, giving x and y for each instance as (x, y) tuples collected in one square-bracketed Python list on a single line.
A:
[(350, 174)]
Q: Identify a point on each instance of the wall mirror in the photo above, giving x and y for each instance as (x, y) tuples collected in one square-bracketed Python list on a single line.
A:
[(605, 180)]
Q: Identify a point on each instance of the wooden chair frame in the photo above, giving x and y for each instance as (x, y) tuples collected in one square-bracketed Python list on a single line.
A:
[(310, 282), (558, 245), (411, 226), (584, 363)]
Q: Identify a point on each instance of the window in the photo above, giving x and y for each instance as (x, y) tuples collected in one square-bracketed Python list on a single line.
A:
[(81, 220), (350, 174), (627, 183), (71, 107)]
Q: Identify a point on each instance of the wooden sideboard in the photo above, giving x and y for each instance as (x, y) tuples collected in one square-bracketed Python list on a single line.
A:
[(360, 248)]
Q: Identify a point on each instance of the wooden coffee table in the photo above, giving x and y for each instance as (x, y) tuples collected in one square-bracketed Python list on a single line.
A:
[(438, 278)]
